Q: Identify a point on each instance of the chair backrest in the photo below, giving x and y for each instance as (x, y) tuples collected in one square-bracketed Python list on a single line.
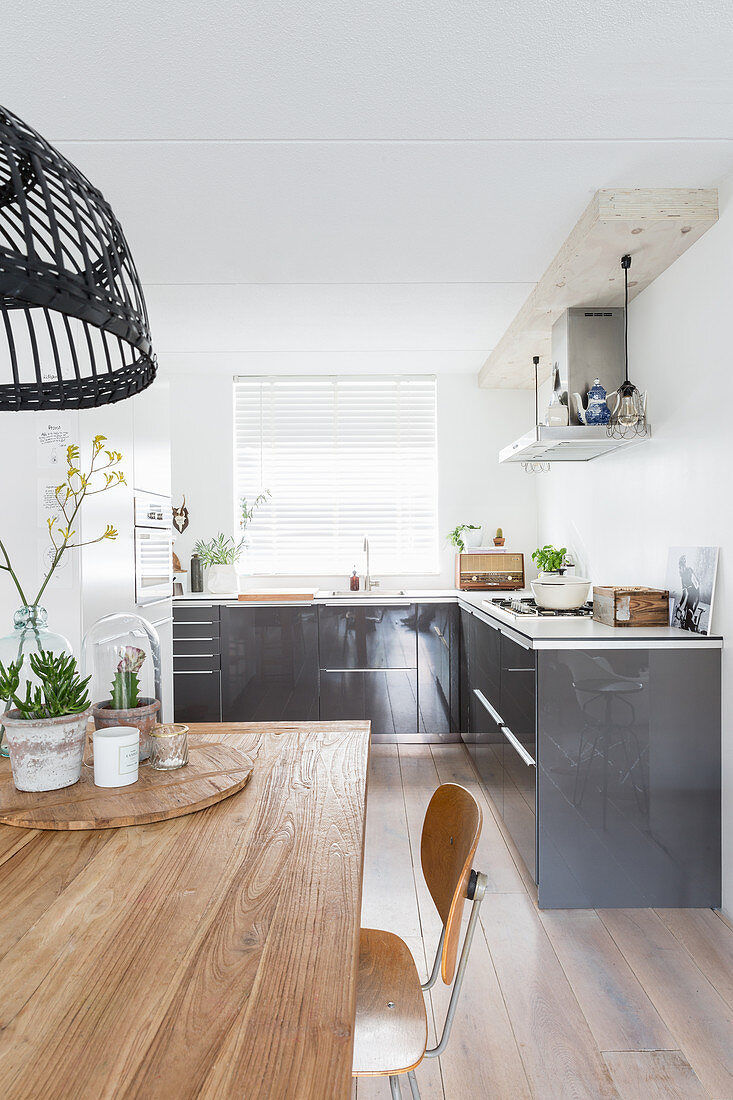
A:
[(450, 834)]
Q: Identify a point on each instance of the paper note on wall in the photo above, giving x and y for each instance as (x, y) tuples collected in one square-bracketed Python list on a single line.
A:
[(52, 439)]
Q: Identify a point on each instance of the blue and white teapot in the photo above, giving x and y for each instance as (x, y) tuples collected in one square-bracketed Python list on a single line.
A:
[(597, 411)]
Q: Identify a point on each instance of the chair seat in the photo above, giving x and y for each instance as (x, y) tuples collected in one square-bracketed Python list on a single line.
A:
[(387, 1040)]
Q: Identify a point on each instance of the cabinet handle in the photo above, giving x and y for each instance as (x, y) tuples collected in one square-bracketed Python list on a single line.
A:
[(517, 744), (388, 668), (519, 670), (197, 672), (514, 638), (485, 703)]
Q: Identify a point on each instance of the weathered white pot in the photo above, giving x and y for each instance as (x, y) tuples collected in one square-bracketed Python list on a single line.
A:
[(472, 539), (222, 579), (46, 754)]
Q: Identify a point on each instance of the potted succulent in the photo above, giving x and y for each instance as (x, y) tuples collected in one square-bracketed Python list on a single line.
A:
[(125, 706), (46, 727), (465, 534), (499, 539)]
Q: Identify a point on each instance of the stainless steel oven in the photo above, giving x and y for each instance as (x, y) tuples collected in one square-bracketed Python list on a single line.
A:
[(153, 548)]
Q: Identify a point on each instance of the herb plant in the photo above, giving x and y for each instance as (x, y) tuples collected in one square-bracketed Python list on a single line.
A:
[(125, 691), (61, 690), (221, 550), (454, 537), (548, 559)]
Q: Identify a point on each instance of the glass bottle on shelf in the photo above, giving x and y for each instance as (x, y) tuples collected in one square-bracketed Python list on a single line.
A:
[(30, 634)]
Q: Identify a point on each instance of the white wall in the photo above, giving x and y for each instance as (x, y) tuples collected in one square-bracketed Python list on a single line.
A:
[(620, 513), (472, 425)]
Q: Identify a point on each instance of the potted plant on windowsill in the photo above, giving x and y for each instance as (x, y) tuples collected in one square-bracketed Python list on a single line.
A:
[(46, 728), (126, 707)]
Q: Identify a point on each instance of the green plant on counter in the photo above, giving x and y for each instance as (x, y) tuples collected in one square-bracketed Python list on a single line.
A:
[(79, 484), (549, 559), (61, 690), (248, 510), (221, 550), (454, 537)]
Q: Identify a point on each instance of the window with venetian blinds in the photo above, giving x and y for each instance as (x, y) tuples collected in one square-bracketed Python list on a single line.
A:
[(343, 458)]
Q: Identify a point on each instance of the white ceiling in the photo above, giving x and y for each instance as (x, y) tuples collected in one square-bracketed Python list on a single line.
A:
[(378, 183)]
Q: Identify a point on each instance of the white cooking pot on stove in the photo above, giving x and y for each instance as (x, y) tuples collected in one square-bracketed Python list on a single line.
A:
[(559, 593)]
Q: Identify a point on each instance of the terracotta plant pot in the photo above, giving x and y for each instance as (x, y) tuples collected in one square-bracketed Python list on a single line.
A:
[(499, 542), (45, 754), (143, 716)]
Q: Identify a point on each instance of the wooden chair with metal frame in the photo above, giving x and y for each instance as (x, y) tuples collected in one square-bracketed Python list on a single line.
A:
[(391, 1031)]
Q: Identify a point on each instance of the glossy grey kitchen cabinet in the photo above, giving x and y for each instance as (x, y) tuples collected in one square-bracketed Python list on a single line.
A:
[(196, 663), (629, 777), (438, 670), (269, 664), (499, 681), (368, 663)]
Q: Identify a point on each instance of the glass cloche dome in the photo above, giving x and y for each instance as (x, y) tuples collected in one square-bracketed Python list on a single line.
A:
[(121, 653)]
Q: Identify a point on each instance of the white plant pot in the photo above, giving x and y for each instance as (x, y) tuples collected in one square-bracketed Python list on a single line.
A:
[(472, 539), (559, 593), (222, 580), (46, 754)]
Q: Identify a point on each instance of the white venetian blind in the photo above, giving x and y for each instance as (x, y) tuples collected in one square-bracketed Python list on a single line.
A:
[(343, 457)]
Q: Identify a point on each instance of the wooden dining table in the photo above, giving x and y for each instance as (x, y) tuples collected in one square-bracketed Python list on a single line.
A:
[(212, 956)]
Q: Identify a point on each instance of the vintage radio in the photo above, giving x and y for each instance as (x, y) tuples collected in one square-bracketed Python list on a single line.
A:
[(482, 569)]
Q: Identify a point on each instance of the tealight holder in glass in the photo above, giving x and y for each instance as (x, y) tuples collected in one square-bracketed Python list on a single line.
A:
[(168, 746)]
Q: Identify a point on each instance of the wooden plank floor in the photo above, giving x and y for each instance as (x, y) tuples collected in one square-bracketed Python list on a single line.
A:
[(631, 1004)]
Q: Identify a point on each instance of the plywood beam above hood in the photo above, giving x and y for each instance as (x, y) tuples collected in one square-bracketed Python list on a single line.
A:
[(654, 225)]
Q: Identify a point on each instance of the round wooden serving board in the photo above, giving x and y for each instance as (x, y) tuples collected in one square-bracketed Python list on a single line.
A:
[(214, 771)]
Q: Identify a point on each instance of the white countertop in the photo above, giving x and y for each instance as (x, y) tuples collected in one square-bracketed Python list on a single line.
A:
[(541, 633)]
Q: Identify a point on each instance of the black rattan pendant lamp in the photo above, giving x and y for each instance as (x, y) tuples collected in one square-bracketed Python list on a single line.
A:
[(73, 323)]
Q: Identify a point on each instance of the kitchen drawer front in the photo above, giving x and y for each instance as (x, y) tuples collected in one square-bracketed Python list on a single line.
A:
[(371, 636), (518, 704), (195, 631), (205, 613), (385, 697), (196, 647), (464, 688), (486, 661), (198, 663), (197, 696)]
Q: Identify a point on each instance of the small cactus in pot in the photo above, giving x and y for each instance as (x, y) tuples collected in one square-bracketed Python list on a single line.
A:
[(125, 707), (499, 539)]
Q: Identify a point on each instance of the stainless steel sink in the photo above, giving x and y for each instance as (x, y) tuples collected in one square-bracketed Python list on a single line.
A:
[(347, 594)]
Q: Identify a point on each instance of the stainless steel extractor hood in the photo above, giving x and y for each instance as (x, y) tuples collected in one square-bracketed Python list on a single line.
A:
[(586, 344)]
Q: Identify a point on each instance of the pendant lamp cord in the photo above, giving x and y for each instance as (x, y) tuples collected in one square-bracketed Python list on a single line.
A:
[(536, 361), (626, 264)]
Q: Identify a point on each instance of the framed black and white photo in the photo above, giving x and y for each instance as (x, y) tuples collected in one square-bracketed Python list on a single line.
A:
[(691, 572)]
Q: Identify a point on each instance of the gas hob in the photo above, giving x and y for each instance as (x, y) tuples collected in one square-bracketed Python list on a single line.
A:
[(525, 605)]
